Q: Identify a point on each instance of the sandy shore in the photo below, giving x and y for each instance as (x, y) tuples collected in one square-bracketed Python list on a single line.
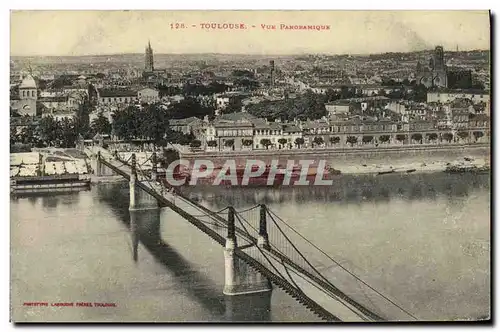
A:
[(106, 179), (410, 167)]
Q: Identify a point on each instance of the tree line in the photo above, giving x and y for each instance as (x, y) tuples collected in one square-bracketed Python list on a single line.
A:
[(150, 122)]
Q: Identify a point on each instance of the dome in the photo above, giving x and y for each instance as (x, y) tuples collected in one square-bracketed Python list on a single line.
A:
[(28, 83)]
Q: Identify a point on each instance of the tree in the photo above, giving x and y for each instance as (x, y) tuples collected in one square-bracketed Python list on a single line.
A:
[(14, 137), (212, 143), (189, 107), (352, 140), (82, 118), (48, 130), (155, 123), (247, 142), (432, 136), (308, 105), (334, 140), (229, 143), (448, 137), (234, 106), (101, 125), (195, 144), (478, 134), (463, 134), (384, 138), (401, 137), (318, 140), (299, 141), (282, 141), (68, 134), (417, 137), (367, 139), (123, 123), (266, 142), (419, 93)]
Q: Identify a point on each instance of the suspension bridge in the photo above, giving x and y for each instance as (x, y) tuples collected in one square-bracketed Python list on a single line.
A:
[(260, 249)]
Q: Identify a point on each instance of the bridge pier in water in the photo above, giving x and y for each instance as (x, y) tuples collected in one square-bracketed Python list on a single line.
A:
[(143, 223), (240, 278), (139, 199), (98, 167)]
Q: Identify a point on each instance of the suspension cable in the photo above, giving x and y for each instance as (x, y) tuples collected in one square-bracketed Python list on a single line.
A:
[(299, 289), (260, 249), (249, 209), (298, 251), (342, 267), (218, 222)]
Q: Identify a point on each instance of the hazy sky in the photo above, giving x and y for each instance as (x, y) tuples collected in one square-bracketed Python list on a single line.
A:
[(111, 32)]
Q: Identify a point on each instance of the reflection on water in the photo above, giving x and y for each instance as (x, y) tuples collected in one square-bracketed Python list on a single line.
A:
[(423, 240), (145, 228), (347, 189)]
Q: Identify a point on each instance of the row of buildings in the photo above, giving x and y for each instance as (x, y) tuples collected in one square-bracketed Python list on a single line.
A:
[(243, 131)]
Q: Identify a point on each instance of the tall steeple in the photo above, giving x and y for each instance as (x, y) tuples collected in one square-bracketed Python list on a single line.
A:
[(149, 62)]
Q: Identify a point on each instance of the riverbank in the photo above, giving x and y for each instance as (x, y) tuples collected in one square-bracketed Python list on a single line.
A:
[(94, 179), (413, 166), (421, 159), (364, 152)]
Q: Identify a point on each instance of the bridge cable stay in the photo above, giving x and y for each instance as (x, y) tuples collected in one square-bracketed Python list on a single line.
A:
[(260, 249), (149, 181), (299, 253), (212, 214), (274, 215), (285, 266), (280, 241), (298, 288), (217, 220), (248, 209), (125, 162), (282, 262), (332, 287), (147, 159)]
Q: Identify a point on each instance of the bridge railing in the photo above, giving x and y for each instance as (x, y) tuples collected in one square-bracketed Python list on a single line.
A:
[(286, 247)]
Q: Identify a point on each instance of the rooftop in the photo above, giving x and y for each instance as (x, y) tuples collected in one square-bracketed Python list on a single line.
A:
[(183, 122), (116, 93), (28, 83)]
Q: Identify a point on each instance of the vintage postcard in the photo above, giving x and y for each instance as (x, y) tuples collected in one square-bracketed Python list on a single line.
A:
[(250, 166)]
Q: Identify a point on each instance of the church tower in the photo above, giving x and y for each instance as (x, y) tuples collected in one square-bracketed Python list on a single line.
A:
[(148, 63), (439, 58)]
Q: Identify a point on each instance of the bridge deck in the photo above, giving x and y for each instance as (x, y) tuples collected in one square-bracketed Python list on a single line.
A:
[(329, 302)]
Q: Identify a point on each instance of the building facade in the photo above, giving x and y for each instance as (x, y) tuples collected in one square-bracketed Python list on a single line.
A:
[(148, 95), (444, 96), (435, 74), (25, 100)]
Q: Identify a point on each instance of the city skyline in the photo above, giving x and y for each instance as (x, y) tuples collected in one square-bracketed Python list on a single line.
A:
[(96, 33)]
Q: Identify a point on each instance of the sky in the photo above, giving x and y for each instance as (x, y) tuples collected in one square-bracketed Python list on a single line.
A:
[(70, 33)]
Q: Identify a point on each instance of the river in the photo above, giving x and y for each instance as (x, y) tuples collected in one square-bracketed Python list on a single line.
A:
[(422, 240)]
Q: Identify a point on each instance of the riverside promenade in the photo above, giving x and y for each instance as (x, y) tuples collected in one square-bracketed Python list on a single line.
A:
[(357, 160)]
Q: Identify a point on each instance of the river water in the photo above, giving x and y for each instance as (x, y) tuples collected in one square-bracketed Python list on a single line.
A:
[(422, 240)]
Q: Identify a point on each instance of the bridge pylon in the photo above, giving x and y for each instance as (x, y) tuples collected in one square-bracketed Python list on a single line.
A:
[(240, 278), (139, 199), (263, 238), (154, 169)]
